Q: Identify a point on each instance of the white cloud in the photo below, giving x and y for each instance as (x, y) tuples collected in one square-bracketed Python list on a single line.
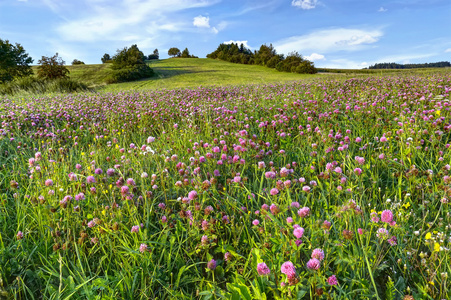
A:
[(382, 9), (245, 43), (305, 4), (315, 57), (201, 21), (116, 20), (448, 50), (329, 40)]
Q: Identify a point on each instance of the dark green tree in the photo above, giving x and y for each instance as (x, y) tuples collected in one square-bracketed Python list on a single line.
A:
[(185, 53), (77, 62), (174, 52), (52, 68), (106, 58), (128, 57), (154, 55), (14, 61)]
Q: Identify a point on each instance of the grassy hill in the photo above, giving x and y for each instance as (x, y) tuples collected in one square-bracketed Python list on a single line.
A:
[(194, 72), (184, 72)]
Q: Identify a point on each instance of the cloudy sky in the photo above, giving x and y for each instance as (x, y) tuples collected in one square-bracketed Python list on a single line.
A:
[(332, 33)]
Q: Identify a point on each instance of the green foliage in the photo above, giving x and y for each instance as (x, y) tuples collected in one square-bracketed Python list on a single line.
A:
[(174, 52), (77, 62), (128, 65), (128, 57), (154, 55), (294, 63), (265, 56), (106, 58), (130, 73), (52, 68), (440, 64), (14, 61)]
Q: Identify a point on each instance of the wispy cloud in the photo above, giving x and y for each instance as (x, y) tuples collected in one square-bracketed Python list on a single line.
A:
[(305, 4), (382, 9), (113, 21), (448, 50), (329, 40)]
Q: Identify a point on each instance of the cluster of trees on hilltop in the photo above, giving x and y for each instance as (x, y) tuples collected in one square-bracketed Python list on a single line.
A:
[(440, 64), (265, 56), (128, 64), (175, 52)]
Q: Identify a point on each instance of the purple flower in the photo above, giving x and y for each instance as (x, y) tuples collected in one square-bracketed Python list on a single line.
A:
[(48, 182), (142, 248), (288, 269), (304, 212), (387, 216), (110, 172), (318, 254), (130, 181), (90, 179), (298, 232), (255, 222), (314, 264), (332, 280), (19, 235), (192, 195), (135, 228), (227, 256), (274, 191), (262, 269), (374, 217), (211, 264), (382, 233), (274, 209)]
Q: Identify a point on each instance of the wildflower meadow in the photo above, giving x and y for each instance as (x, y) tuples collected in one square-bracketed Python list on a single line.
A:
[(326, 189)]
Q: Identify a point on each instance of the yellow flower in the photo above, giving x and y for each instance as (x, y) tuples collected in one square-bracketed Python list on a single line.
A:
[(437, 113), (436, 247), (406, 205), (428, 236)]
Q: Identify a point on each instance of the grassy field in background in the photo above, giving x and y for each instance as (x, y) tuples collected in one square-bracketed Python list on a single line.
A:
[(194, 72)]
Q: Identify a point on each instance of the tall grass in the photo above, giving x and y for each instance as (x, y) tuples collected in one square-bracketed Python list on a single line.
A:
[(190, 193)]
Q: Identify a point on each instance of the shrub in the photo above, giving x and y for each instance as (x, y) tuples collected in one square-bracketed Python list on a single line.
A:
[(130, 74), (77, 62), (52, 68)]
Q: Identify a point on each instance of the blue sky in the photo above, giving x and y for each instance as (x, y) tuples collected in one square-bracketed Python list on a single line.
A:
[(332, 33)]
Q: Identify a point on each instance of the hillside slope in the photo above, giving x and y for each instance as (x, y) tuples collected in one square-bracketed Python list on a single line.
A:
[(186, 72)]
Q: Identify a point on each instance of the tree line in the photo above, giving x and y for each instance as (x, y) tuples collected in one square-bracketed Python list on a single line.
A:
[(265, 56), (440, 64)]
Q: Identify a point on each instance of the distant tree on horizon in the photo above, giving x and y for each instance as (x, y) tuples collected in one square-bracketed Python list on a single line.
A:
[(52, 68), (77, 62), (265, 56), (154, 55), (174, 52), (14, 61), (106, 58), (440, 64)]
